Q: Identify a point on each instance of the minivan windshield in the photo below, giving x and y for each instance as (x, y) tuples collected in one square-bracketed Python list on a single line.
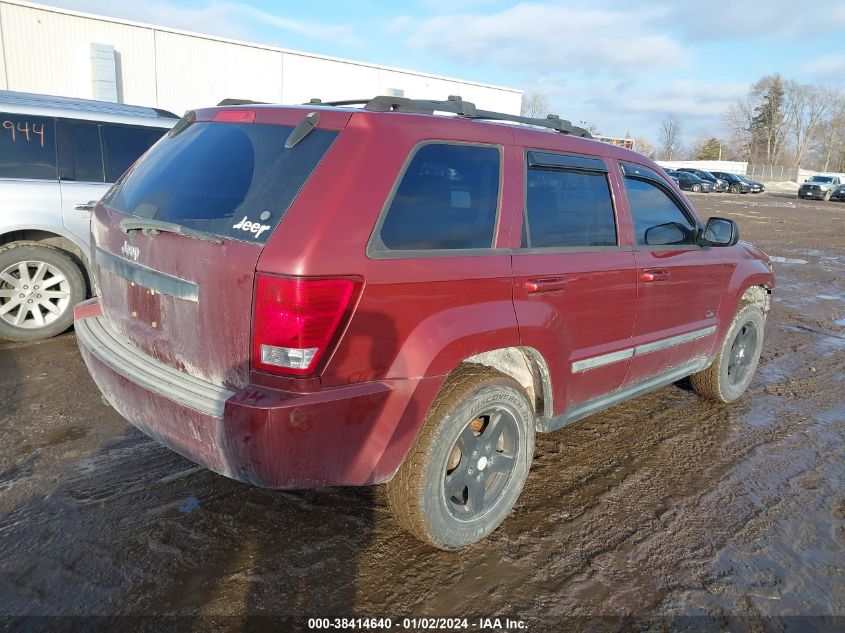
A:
[(236, 180)]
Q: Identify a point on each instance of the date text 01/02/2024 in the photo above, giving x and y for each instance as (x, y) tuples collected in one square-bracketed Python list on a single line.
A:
[(415, 624)]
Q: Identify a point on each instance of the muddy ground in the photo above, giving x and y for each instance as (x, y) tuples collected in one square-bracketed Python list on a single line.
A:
[(666, 506)]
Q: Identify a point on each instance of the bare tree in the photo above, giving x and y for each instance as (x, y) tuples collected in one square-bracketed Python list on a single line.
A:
[(833, 135), (644, 147), (592, 128), (670, 136), (534, 105)]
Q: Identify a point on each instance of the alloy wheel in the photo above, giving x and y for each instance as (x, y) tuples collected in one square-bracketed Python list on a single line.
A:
[(33, 294), (481, 464), (742, 354)]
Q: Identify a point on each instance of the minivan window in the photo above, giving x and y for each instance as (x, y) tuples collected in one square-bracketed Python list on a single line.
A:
[(447, 199), (122, 145), (27, 147), (80, 155), (568, 208), (651, 206), (233, 179)]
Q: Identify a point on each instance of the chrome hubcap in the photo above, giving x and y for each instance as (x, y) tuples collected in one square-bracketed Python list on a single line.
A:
[(742, 354), (33, 294), (480, 464)]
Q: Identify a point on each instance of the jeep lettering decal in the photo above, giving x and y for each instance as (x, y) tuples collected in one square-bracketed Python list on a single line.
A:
[(251, 227), (130, 251)]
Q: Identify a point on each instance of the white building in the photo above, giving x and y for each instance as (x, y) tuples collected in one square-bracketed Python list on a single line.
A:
[(55, 51)]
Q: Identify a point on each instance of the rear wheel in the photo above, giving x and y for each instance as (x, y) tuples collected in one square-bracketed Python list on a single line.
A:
[(39, 285), (732, 370), (469, 464)]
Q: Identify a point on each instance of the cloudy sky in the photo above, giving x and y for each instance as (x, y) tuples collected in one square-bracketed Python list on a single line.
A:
[(620, 66)]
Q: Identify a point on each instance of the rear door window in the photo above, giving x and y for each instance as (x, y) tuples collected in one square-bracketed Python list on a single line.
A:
[(123, 144), (567, 209), (80, 154), (448, 198), (27, 147), (232, 179)]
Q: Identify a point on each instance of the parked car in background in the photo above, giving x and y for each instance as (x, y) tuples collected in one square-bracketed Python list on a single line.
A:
[(838, 193), (756, 187), (690, 182), (818, 187), (298, 297), (719, 185), (735, 183), (56, 155)]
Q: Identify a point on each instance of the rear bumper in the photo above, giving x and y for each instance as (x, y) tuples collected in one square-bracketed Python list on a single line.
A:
[(352, 435)]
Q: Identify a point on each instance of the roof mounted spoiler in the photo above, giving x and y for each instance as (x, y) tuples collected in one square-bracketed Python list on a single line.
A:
[(455, 105), (237, 102)]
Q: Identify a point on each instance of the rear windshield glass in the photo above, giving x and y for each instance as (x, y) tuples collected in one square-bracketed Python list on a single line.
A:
[(232, 179)]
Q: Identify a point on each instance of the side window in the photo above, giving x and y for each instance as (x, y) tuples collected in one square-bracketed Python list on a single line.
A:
[(123, 145), (568, 208), (651, 207), (80, 155), (447, 199), (27, 147)]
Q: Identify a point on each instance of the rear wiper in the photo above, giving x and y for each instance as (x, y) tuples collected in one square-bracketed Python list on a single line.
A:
[(151, 228)]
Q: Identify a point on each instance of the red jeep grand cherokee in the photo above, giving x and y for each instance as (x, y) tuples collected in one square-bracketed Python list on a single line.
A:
[(324, 295)]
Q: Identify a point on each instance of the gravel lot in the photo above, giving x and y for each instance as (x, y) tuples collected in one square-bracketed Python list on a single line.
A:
[(666, 506)]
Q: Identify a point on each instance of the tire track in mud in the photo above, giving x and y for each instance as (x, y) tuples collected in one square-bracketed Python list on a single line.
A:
[(665, 505)]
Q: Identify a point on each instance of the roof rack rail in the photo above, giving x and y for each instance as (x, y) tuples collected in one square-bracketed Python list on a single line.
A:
[(456, 105)]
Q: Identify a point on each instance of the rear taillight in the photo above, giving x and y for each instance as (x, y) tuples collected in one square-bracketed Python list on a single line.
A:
[(297, 320)]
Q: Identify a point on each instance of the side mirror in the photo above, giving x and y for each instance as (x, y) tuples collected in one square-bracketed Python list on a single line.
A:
[(666, 234), (719, 232)]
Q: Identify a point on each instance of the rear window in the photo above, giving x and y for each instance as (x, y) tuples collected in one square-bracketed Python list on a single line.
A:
[(236, 180), (27, 147), (447, 199)]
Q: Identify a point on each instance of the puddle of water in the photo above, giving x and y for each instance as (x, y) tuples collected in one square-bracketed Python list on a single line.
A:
[(787, 260), (840, 322), (191, 503)]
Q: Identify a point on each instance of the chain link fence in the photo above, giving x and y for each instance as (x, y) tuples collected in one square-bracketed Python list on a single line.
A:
[(772, 173)]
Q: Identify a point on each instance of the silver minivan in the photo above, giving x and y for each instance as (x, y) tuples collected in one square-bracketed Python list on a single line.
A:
[(57, 154)]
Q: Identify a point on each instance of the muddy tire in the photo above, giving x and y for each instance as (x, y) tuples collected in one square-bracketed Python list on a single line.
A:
[(732, 370), (827, 195), (39, 285), (470, 461)]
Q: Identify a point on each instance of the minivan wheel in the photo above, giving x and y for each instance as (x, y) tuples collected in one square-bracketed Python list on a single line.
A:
[(39, 285), (467, 468), (732, 370)]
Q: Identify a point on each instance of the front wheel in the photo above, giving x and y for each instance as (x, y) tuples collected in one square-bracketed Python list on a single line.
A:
[(734, 188), (39, 285), (468, 466), (696, 188), (732, 370), (827, 196)]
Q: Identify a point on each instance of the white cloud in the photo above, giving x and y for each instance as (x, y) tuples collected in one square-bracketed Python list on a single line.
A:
[(539, 35), (829, 67)]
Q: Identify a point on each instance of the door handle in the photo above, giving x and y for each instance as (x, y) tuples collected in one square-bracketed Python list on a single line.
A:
[(654, 274), (88, 206), (546, 284)]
